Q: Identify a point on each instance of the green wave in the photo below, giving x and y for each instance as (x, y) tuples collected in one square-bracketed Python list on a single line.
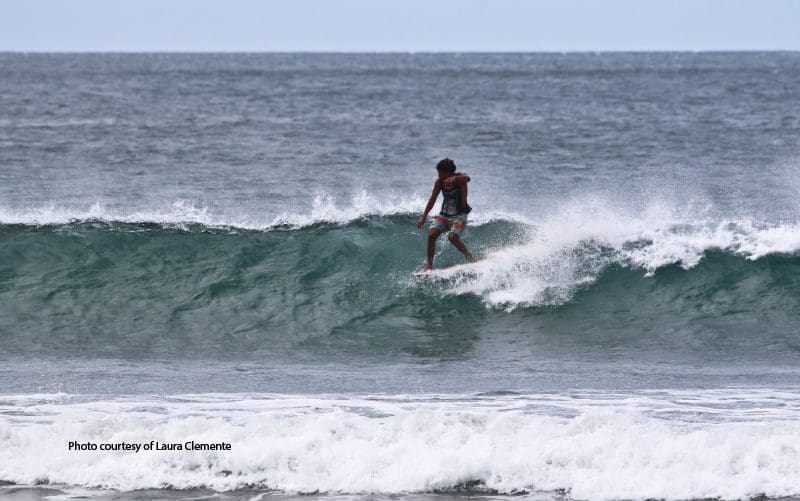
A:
[(148, 291)]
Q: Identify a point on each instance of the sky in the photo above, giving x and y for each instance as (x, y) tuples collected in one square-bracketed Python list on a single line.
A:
[(398, 25)]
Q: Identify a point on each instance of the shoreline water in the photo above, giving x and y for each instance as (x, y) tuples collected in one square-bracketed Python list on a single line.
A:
[(593, 445)]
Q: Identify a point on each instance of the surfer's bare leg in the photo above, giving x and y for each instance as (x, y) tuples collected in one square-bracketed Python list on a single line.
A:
[(433, 234), (456, 240)]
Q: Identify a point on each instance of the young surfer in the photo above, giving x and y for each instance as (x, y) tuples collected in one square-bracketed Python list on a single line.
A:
[(453, 215)]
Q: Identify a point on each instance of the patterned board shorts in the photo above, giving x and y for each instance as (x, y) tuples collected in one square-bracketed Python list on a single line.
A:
[(455, 223)]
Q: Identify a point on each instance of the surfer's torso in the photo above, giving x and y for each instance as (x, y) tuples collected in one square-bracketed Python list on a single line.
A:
[(453, 203)]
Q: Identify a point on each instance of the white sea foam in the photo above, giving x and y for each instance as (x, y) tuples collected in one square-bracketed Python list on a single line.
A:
[(329, 209), (324, 208), (670, 445), (180, 212), (561, 252)]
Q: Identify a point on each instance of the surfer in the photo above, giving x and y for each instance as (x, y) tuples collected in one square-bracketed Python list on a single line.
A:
[(453, 215)]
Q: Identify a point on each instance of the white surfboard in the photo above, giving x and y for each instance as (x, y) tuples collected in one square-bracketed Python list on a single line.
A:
[(445, 272)]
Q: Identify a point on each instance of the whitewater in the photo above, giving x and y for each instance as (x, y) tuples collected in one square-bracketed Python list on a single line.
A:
[(653, 445)]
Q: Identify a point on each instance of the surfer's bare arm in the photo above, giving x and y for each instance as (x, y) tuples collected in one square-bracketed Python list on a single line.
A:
[(460, 178), (437, 187)]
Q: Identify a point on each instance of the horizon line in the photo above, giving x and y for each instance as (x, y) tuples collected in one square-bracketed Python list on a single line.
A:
[(399, 52)]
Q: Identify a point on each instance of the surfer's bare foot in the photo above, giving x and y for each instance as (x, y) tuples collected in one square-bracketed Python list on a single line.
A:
[(472, 259)]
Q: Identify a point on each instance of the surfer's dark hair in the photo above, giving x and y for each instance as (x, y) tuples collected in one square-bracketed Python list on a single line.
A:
[(446, 165)]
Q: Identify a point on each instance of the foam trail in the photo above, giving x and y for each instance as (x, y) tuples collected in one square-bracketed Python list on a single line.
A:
[(556, 256)]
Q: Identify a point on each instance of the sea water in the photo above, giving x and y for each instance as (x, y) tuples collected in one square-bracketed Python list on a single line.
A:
[(220, 249)]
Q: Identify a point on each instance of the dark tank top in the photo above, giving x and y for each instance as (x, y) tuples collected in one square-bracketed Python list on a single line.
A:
[(452, 204)]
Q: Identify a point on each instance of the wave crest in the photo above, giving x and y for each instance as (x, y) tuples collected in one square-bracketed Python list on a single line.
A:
[(547, 262)]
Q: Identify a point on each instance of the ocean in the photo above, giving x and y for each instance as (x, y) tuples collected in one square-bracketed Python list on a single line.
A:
[(207, 283)]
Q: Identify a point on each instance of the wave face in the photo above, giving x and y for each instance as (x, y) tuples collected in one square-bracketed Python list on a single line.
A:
[(143, 289), (652, 445)]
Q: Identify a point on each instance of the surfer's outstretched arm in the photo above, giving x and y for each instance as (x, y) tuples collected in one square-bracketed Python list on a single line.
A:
[(437, 187)]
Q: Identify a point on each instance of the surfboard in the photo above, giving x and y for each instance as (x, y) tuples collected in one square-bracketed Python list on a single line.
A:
[(446, 271)]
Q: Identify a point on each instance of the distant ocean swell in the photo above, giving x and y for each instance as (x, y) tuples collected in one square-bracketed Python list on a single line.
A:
[(111, 287), (661, 445)]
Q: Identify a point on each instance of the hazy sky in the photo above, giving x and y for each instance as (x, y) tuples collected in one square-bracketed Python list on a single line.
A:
[(398, 25)]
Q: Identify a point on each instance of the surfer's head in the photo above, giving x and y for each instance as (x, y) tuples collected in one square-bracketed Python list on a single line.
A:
[(446, 165)]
